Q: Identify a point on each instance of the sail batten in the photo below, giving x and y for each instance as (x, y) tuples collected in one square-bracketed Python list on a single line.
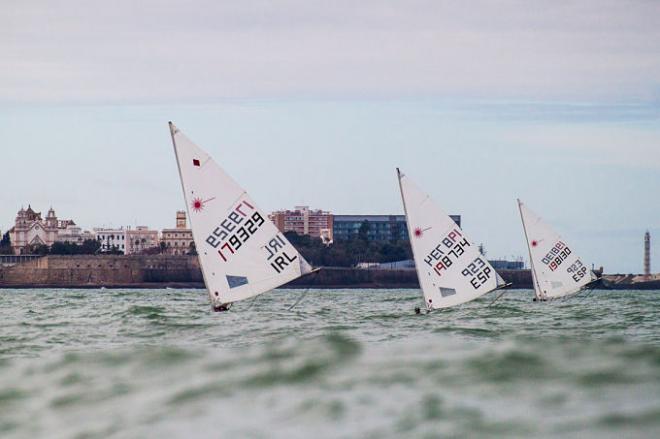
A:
[(557, 270), (450, 268), (241, 252)]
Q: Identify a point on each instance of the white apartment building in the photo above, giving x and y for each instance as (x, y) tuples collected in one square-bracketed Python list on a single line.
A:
[(111, 239)]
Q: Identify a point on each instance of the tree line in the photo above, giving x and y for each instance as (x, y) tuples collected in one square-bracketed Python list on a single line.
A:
[(349, 253)]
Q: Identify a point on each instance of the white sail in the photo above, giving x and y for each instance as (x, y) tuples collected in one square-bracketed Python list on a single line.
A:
[(241, 252), (557, 270), (450, 268)]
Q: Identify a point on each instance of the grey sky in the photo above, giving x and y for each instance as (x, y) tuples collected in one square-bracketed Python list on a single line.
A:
[(160, 50), (316, 102)]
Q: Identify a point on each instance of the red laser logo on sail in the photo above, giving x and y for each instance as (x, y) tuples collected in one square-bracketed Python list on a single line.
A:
[(418, 232), (534, 243), (198, 204)]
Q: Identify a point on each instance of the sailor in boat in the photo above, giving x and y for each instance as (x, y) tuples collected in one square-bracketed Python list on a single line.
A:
[(222, 307)]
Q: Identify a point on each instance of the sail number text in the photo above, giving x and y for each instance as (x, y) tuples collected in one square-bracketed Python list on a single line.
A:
[(278, 258), (235, 230), (556, 256), (578, 270), (447, 252), (478, 271)]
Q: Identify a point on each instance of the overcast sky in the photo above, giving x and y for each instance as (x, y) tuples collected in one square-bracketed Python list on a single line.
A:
[(305, 102)]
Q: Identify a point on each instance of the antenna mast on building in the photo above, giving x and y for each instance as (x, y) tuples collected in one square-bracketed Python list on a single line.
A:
[(647, 254)]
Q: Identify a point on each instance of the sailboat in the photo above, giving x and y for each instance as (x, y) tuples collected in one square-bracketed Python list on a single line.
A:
[(557, 271), (450, 269), (241, 252)]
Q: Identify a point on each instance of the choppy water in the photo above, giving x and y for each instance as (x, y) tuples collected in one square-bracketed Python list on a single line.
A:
[(350, 363)]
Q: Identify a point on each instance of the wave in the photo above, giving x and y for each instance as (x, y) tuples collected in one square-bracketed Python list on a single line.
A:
[(339, 366)]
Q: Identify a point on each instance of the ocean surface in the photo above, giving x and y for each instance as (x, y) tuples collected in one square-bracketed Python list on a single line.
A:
[(343, 363)]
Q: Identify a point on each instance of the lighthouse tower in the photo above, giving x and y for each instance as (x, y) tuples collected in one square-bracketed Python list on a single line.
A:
[(647, 254)]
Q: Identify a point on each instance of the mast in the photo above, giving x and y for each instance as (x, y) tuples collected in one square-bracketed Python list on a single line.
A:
[(173, 130), (535, 279), (405, 211)]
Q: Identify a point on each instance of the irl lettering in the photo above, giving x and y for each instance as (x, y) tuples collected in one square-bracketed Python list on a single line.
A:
[(277, 255)]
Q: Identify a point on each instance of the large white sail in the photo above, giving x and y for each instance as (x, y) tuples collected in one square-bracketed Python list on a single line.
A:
[(450, 268), (241, 252), (557, 270)]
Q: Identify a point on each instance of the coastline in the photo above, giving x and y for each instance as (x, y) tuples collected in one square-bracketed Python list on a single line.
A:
[(166, 271)]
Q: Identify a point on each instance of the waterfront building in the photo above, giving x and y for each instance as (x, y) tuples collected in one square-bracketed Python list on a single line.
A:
[(409, 264), (31, 230), (70, 232), (501, 264), (378, 227), (178, 241), (140, 239), (406, 264), (304, 221), (111, 239)]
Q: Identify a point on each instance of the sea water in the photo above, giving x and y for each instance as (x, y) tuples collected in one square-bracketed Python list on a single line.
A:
[(343, 363)]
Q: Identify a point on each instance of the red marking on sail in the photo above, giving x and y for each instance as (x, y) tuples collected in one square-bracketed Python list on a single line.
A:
[(418, 232), (197, 204), (534, 243), (196, 162)]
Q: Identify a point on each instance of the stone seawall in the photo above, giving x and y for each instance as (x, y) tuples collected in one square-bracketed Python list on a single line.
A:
[(97, 271), (183, 271)]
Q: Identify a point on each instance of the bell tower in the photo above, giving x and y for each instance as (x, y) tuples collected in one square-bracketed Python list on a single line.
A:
[(180, 219), (51, 219)]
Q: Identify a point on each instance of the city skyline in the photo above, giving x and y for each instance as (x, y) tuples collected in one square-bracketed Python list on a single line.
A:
[(560, 109), (181, 223)]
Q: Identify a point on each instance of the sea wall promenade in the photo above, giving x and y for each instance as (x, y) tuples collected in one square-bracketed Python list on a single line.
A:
[(97, 271), (183, 271)]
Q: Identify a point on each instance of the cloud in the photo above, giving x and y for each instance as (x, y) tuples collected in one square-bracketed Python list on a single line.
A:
[(174, 51)]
